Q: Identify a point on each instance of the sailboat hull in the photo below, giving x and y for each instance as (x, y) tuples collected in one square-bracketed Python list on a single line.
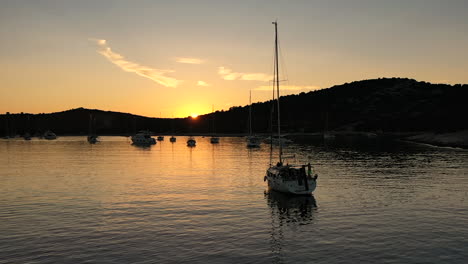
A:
[(300, 185)]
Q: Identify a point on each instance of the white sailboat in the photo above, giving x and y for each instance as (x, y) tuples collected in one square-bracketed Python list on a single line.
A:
[(252, 140), (287, 178)]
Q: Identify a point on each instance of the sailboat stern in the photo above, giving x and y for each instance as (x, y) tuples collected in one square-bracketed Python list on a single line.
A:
[(289, 179)]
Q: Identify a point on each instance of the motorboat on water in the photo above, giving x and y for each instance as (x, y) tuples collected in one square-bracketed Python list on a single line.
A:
[(160, 138), (214, 140), (173, 139), (143, 138), (50, 135), (282, 177)]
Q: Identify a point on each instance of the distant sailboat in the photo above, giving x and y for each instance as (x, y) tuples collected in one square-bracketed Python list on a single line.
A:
[(287, 178), (173, 138), (326, 133), (92, 137), (26, 135), (214, 139), (252, 140), (191, 142), (7, 129)]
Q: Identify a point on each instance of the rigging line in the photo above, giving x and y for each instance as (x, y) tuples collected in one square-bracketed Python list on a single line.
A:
[(282, 61), (272, 109)]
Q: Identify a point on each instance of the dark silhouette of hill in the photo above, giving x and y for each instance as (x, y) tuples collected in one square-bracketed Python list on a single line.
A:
[(378, 105)]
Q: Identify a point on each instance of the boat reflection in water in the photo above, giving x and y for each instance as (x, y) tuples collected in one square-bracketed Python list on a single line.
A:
[(291, 208), (288, 212)]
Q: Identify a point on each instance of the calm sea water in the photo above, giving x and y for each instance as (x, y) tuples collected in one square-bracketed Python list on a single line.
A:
[(66, 201)]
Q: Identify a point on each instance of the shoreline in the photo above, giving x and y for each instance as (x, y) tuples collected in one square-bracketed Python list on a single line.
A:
[(458, 139)]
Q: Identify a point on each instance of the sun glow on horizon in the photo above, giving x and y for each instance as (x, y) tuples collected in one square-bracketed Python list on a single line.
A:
[(194, 115)]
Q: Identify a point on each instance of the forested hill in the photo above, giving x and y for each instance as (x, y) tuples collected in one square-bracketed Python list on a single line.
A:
[(378, 105), (387, 105)]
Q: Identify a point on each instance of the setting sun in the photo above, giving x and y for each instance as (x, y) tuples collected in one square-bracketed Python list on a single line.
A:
[(194, 116)]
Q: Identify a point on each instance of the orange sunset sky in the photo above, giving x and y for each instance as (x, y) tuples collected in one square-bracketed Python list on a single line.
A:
[(177, 58)]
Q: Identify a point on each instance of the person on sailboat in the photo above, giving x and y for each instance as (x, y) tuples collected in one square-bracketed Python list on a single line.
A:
[(309, 172)]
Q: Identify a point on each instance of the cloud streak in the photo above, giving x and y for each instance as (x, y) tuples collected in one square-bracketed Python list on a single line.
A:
[(202, 83), (189, 60), (229, 75), (288, 88), (156, 75)]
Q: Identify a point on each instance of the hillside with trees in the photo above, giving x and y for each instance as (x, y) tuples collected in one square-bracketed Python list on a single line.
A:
[(385, 105)]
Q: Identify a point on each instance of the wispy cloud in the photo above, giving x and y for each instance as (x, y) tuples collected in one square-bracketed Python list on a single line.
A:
[(189, 60), (202, 83), (229, 75), (156, 75), (288, 88)]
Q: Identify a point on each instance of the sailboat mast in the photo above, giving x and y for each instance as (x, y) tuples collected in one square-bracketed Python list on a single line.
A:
[(90, 125), (213, 118), (276, 79), (250, 113)]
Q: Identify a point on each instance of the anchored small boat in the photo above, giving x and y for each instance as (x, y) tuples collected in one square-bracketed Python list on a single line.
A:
[(191, 142)]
